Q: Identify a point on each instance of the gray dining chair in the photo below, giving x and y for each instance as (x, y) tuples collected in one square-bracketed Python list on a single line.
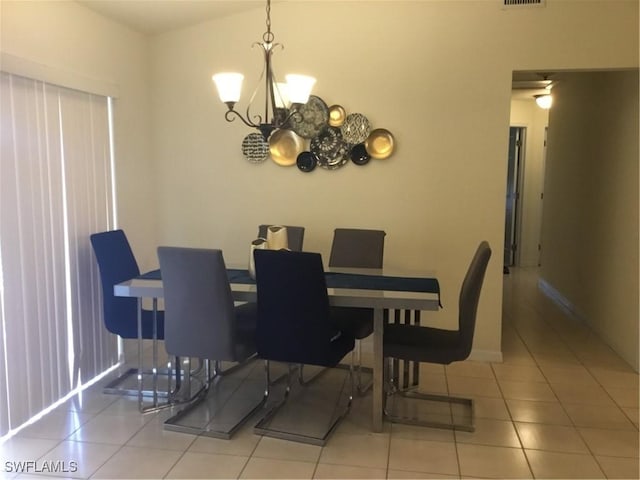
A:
[(434, 345), (201, 321), (295, 236), (357, 248)]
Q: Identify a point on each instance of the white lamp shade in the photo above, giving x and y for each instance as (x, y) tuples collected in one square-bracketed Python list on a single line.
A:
[(229, 86), (544, 101), (299, 87)]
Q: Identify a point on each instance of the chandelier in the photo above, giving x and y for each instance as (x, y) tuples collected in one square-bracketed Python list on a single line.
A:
[(281, 100)]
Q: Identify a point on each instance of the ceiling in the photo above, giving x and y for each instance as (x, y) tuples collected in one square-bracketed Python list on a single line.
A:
[(524, 85), (158, 16)]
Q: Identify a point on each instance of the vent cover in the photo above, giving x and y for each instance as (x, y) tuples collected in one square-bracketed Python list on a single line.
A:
[(522, 3)]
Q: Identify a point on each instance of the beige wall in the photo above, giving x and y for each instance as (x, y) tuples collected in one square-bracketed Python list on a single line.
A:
[(525, 113), (437, 74), (76, 43), (590, 225)]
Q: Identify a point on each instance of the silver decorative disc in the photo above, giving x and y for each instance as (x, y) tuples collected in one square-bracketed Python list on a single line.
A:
[(356, 128), (255, 148)]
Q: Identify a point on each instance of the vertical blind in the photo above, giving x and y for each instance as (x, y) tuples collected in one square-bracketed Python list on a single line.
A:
[(55, 190)]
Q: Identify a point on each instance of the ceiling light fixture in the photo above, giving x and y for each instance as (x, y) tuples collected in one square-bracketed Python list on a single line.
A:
[(281, 100), (544, 101)]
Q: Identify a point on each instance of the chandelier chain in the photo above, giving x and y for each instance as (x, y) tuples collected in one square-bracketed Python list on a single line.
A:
[(268, 36)]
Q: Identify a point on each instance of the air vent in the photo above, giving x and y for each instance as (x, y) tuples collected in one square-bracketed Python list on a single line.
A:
[(523, 3)]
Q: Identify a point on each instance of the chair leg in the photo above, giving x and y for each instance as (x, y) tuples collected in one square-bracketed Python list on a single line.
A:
[(232, 368), (114, 387), (362, 388), (410, 393), (263, 426), (309, 381), (219, 408)]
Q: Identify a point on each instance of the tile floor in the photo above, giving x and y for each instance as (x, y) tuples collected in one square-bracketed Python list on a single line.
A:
[(561, 405)]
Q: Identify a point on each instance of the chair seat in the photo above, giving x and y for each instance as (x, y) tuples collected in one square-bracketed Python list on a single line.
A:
[(329, 356), (421, 344), (354, 321)]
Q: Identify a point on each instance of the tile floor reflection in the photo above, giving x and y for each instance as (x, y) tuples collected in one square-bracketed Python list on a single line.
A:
[(561, 405)]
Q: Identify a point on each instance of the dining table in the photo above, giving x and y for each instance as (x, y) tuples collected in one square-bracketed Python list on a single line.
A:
[(378, 289)]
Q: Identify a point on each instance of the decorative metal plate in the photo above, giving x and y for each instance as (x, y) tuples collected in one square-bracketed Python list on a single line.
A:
[(285, 146), (359, 154), (330, 148), (380, 143), (336, 115), (311, 118), (255, 148), (356, 128), (307, 161)]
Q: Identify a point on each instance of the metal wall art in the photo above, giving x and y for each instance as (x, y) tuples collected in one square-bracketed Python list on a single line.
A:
[(319, 135)]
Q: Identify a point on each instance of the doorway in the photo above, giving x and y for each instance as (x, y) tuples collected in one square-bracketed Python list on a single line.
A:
[(513, 208)]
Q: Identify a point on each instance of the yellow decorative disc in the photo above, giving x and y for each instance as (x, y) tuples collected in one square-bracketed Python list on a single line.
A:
[(336, 115), (380, 143), (285, 146)]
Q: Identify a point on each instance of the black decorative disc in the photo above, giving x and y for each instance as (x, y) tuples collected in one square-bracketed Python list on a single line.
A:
[(306, 161), (359, 154)]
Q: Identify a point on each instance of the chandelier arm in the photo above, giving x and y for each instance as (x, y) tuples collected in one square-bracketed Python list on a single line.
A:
[(258, 117), (232, 114), (269, 98), (272, 86), (292, 112)]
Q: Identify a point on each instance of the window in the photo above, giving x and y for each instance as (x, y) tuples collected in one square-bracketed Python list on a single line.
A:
[(56, 188)]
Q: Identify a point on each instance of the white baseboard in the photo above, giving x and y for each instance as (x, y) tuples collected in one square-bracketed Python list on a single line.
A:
[(486, 356), (556, 297)]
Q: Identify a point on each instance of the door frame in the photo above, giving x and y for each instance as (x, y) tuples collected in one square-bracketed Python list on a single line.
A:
[(518, 185)]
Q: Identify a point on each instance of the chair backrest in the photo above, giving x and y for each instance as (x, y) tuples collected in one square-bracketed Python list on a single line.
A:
[(199, 309), (116, 264), (293, 307), (357, 248), (295, 236), (470, 296)]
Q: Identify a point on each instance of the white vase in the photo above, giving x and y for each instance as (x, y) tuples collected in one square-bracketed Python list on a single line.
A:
[(277, 237), (257, 244)]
